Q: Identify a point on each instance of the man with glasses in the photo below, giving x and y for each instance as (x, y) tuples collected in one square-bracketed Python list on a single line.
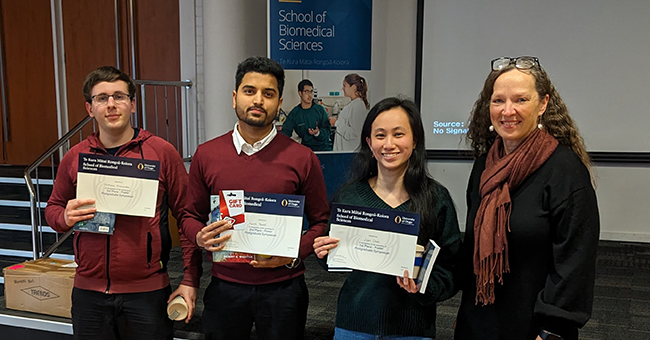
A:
[(121, 286), (309, 120)]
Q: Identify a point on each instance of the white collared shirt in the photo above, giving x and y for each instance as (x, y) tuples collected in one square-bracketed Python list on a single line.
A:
[(242, 145)]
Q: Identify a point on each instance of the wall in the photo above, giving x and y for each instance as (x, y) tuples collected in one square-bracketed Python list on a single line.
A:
[(621, 189), (234, 30)]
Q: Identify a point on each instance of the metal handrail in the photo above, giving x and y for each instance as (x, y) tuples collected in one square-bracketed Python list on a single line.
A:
[(54, 148), (32, 191)]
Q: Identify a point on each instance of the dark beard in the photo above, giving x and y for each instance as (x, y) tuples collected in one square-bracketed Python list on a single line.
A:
[(257, 122)]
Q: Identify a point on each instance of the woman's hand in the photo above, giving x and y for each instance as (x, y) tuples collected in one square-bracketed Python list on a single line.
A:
[(407, 283), (323, 244)]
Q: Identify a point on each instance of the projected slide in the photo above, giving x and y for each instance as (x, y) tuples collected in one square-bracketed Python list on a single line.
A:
[(594, 52)]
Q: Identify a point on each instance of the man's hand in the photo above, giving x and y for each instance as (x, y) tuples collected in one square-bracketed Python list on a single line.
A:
[(72, 215), (270, 262), (406, 283), (189, 295), (323, 245), (205, 238), (314, 131)]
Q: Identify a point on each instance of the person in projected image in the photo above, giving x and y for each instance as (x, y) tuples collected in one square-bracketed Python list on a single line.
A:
[(390, 172), (309, 120), (529, 255), (350, 120)]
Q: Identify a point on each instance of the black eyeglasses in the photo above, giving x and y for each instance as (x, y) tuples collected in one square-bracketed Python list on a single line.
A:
[(522, 63), (118, 97)]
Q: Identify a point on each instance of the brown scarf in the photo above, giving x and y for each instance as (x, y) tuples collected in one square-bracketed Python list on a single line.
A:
[(502, 173)]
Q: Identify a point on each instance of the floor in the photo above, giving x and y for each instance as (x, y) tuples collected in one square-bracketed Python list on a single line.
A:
[(621, 303)]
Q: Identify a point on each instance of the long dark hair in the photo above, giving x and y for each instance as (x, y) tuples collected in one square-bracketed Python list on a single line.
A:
[(418, 183), (362, 87)]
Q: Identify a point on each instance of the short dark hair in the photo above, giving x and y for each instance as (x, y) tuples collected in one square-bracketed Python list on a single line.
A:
[(303, 83), (261, 65), (109, 74)]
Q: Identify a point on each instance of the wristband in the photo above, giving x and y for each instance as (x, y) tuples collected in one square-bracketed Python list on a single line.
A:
[(293, 264)]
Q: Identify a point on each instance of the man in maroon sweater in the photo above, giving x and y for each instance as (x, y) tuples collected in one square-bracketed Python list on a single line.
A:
[(121, 286), (269, 292)]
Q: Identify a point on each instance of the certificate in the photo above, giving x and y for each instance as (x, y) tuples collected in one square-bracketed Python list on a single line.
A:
[(124, 186), (374, 240), (273, 225)]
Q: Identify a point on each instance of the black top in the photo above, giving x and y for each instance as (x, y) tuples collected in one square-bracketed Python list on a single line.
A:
[(113, 151), (374, 303), (553, 237)]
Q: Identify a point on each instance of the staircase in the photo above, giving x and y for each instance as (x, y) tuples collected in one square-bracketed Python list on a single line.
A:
[(15, 218), (16, 246)]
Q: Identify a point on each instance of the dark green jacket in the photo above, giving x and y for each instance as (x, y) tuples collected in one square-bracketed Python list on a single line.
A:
[(300, 120)]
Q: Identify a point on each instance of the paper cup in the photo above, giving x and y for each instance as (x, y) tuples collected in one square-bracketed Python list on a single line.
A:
[(177, 309)]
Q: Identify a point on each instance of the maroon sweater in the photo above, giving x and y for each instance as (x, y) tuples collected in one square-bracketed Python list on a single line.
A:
[(134, 258), (283, 167)]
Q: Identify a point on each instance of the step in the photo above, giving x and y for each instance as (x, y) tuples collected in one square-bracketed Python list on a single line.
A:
[(20, 204), (21, 180), (24, 227), (22, 241), (19, 215), (10, 190), (18, 171)]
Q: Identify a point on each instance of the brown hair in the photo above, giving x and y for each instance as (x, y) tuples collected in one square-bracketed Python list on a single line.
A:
[(556, 119), (108, 74), (354, 79)]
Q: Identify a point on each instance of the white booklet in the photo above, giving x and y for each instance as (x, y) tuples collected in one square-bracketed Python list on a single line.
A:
[(123, 186), (373, 240), (428, 260), (273, 225)]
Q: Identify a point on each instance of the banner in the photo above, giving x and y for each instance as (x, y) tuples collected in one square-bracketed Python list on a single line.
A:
[(320, 35)]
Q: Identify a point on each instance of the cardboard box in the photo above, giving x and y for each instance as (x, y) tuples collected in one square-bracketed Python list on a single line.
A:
[(41, 286)]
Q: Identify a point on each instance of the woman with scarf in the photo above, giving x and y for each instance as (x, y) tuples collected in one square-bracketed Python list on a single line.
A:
[(528, 264)]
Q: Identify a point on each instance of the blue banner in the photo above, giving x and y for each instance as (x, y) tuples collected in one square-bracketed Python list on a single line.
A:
[(321, 35)]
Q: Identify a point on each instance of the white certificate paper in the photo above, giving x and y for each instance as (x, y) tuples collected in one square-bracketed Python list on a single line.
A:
[(374, 240), (273, 225), (123, 186)]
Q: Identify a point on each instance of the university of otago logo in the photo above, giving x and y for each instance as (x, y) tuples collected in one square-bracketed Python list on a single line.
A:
[(140, 166), (284, 202), (398, 220)]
